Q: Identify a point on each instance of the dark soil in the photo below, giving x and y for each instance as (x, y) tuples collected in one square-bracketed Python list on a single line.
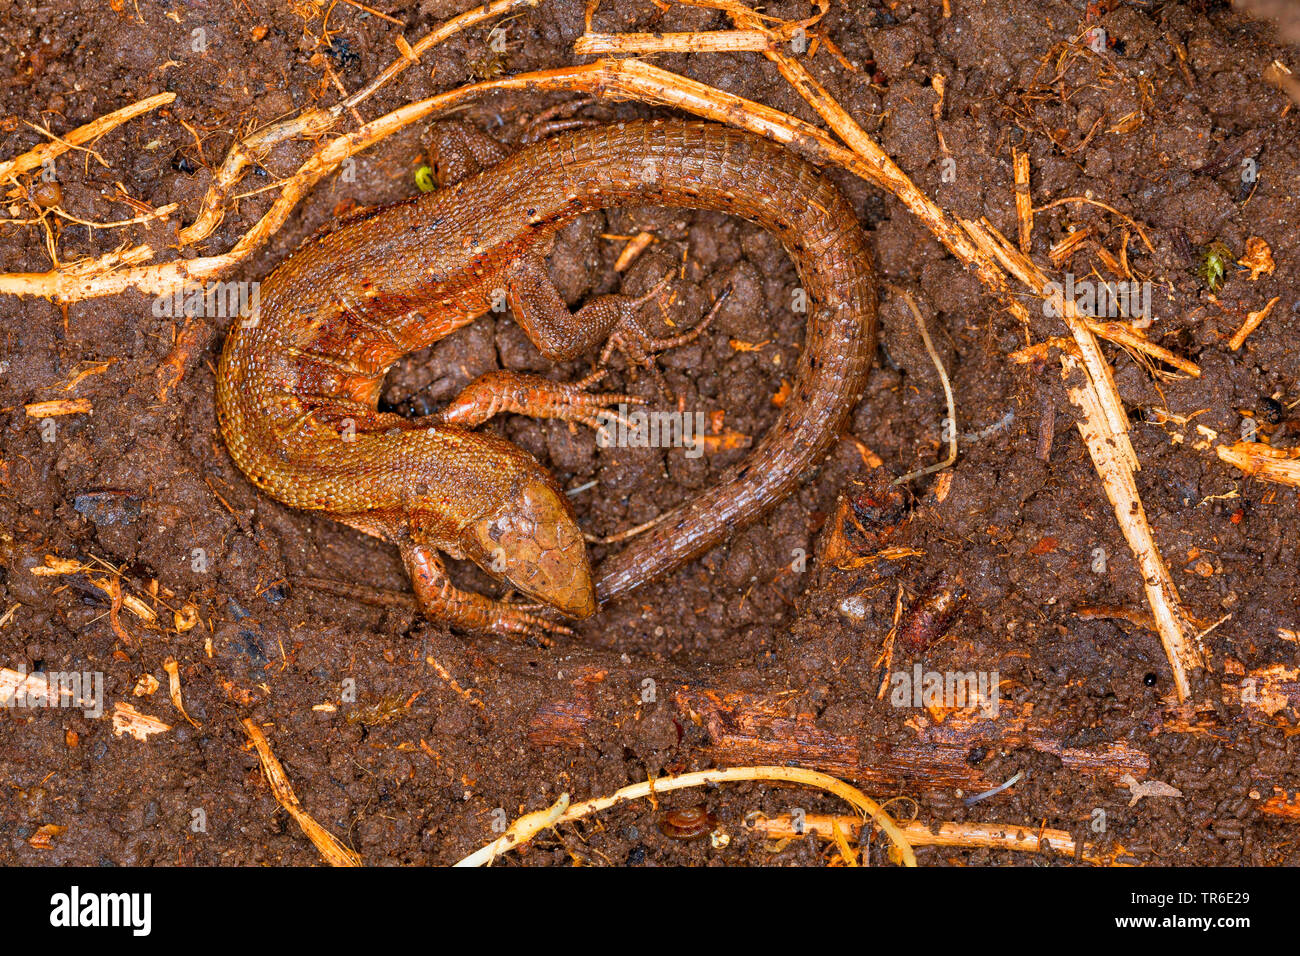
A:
[(408, 771)]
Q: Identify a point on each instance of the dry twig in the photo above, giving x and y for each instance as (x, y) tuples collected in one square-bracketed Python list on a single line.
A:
[(334, 852)]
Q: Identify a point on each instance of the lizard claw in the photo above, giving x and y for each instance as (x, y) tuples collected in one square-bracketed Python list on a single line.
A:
[(573, 402), (523, 621), (504, 391), (638, 346)]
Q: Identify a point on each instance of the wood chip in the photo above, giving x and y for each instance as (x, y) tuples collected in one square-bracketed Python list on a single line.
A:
[(128, 720), (1258, 258), (1147, 788)]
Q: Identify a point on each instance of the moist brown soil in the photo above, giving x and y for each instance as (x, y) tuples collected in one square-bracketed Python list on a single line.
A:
[(409, 771)]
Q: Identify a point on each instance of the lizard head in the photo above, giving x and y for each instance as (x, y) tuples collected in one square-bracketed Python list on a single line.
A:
[(533, 541)]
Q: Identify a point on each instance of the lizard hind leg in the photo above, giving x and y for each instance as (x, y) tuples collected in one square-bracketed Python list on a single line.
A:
[(561, 334), (640, 347)]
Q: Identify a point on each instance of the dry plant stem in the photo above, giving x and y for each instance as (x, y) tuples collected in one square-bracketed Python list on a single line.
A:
[(1116, 473), (1088, 200), (82, 134), (714, 41), (1105, 432), (106, 275), (993, 836), (1262, 461), (811, 778), (1024, 202), (1122, 334), (1253, 321), (59, 406), (1099, 373), (173, 670), (411, 54), (951, 424), (613, 78), (885, 171), (334, 852)]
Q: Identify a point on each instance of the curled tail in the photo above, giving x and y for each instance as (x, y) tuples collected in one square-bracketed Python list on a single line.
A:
[(706, 166)]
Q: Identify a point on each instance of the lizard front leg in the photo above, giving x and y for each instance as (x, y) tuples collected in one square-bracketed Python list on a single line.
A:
[(520, 393), (443, 601)]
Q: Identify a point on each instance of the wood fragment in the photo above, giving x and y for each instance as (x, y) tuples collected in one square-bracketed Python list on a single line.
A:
[(465, 695), (174, 689), (1253, 321), (1064, 248), (1024, 201), (60, 406), (1123, 333), (146, 686), (939, 84), (1105, 432), (21, 686), (1278, 74), (1280, 465), (129, 721), (1104, 445), (636, 44)]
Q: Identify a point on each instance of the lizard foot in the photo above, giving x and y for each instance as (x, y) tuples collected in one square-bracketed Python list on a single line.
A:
[(524, 621), (443, 601), (638, 346)]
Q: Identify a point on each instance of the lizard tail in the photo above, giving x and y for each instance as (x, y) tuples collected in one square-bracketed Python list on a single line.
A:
[(706, 166)]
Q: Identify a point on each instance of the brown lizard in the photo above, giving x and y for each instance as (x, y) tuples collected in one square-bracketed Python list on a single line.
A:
[(300, 375)]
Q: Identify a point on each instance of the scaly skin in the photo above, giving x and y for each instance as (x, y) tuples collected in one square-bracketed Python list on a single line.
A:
[(299, 380)]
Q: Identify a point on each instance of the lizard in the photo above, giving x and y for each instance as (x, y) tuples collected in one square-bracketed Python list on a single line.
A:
[(300, 375)]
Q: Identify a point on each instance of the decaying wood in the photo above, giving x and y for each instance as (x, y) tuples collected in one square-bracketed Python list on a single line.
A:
[(743, 727)]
